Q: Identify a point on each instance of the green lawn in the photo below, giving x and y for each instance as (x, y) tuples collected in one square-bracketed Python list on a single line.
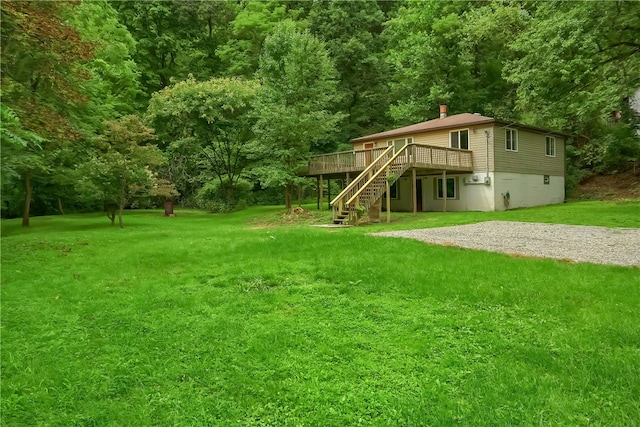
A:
[(238, 319)]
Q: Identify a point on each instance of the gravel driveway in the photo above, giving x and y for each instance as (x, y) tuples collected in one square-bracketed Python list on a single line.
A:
[(599, 245)]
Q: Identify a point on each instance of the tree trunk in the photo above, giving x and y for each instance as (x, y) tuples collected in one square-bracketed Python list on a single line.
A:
[(120, 208), (123, 199), (111, 212), (288, 190), (27, 199), (60, 209), (168, 207)]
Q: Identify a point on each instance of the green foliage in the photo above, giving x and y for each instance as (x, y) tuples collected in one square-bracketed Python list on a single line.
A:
[(19, 146), (617, 149), (352, 32), (164, 189), (210, 123), (210, 22), (214, 196), (298, 87), (121, 170), (20, 155), (114, 86), (577, 62), (329, 71), (449, 52), (42, 67), (162, 38), (252, 24)]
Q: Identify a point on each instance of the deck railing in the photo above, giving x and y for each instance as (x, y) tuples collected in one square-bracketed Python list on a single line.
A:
[(361, 180), (361, 193), (344, 161), (419, 155), (375, 185), (429, 155)]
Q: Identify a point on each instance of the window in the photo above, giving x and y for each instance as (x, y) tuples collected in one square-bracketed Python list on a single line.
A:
[(546, 179), (511, 140), (551, 146), (393, 191), (451, 188), (399, 143), (459, 139)]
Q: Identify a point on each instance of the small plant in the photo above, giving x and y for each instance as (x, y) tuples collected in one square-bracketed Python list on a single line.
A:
[(361, 210), (391, 178)]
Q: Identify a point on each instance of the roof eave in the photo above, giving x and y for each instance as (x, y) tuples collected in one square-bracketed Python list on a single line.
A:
[(391, 133), (413, 132), (533, 128)]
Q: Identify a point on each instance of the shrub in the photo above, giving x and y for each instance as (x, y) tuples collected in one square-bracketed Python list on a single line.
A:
[(217, 196)]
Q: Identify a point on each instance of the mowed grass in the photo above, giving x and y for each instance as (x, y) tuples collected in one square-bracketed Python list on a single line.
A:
[(241, 320)]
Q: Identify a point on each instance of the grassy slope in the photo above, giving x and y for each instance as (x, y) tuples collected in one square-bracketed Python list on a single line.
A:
[(204, 319)]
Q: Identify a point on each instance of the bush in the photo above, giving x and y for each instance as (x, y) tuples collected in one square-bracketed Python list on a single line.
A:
[(224, 196), (622, 148), (613, 150)]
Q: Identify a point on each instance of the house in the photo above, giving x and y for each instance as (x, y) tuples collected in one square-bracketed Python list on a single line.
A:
[(457, 163)]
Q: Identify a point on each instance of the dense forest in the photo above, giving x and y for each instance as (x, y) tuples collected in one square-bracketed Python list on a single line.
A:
[(219, 104)]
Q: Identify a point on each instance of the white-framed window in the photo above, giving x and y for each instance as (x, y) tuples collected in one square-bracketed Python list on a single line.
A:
[(550, 146), (452, 190), (511, 140), (459, 139)]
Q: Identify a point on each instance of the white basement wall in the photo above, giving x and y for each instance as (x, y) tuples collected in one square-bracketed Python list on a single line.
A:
[(527, 190), (474, 197)]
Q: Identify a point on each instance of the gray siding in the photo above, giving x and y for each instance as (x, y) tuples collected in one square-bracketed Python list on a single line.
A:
[(530, 157)]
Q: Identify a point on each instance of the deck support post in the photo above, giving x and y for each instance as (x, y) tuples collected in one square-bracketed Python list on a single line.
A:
[(348, 179), (414, 190), (320, 196), (328, 193), (388, 200), (444, 191)]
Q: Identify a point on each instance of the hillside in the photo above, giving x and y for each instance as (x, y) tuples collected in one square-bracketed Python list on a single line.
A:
[(609, 187)]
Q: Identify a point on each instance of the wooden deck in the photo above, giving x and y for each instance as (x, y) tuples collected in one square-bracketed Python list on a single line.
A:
[(415, 155)]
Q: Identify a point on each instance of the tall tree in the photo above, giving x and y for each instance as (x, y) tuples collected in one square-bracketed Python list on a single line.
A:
[(42, 79), (577, 62), (450, 52), (351, 31), (20, 151), (212, 22), (212, 122), (114, 87), (161, 39), (249, 29), (298, 88)]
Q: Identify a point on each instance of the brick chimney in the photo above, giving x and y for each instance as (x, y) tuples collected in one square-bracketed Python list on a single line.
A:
[(443, 111)]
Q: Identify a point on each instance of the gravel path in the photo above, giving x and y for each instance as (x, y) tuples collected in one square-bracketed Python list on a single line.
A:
[(599, 245)]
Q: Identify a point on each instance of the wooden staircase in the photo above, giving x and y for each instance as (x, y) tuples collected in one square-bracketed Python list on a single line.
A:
[(353, 203)]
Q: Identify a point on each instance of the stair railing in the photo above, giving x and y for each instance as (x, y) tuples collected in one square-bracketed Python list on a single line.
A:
[(375, 184), (338, 202)]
